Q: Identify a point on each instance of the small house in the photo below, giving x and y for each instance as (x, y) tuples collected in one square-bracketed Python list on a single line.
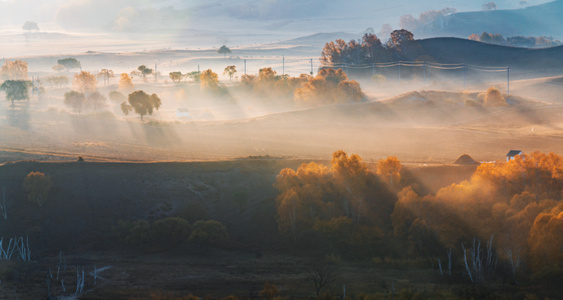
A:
[(182, 113), (512, 154)]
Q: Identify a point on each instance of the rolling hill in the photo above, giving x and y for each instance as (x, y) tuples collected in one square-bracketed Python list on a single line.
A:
[(455, 50), (540, 20)]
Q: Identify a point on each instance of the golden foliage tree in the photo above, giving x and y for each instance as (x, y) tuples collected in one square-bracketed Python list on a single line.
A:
[(14, 70), (389, 170), (493, 97), (84, 82), (517, 201), (311, 196), (546, 240), (125, 82), (269, 84), (38, 185), (329, 86), (209, 80)]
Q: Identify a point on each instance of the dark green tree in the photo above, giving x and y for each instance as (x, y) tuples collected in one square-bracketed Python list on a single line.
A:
[(16, 89), (29, 25), (69, 63), (224, 50), (144, 71)]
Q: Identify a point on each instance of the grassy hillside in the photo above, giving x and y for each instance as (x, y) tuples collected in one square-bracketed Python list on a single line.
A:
[(541, 20), (454, 50)]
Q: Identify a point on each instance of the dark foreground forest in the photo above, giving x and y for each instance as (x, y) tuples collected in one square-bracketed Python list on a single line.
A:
[(263, 227)]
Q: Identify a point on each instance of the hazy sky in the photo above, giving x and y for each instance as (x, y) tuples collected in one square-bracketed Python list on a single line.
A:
[(94, 15)]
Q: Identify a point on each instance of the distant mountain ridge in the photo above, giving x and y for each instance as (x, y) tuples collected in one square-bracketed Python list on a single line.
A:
[(540, 20)]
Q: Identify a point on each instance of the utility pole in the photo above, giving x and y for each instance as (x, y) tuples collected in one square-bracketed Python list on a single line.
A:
[(399, 71), (311, 67), (508, 81), (424, 73), (245, 67), (155, 72), (283, 65)]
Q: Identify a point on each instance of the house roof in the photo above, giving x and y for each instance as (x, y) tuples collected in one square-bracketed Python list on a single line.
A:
[(514, 153)]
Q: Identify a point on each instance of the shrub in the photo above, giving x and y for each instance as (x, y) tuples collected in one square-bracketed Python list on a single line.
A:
[(378, 78), (208, 232), (494, 97), (38, 186), (162, 234), (171, 231), (269, 291), (471, 103)]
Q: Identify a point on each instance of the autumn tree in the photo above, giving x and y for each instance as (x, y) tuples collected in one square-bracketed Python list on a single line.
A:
[(142, 103), (312, 196), (76, 100), (231, 71), (176, 77), (493, 97), (16, 89), (144, 71), (105, 75), (125, 82), (389, 170), (209, 80), (399, 38), (37, 185), (546, 240), (58, 68), (69, 63), (329, 86), (84, 82), (15, 70), (57, 81), (224, 50)]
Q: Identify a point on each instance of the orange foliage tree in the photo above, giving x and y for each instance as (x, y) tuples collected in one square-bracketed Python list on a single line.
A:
[(16, 69), (329, 86), (84, 82), (269, 84), (333, 201), (518, 202), (209, 80), (125, 82)]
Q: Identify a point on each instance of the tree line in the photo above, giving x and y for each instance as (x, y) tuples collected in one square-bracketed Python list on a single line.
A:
[(511, 212)]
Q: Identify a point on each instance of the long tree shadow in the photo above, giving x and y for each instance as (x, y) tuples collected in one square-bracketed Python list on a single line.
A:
[(18, 116)]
